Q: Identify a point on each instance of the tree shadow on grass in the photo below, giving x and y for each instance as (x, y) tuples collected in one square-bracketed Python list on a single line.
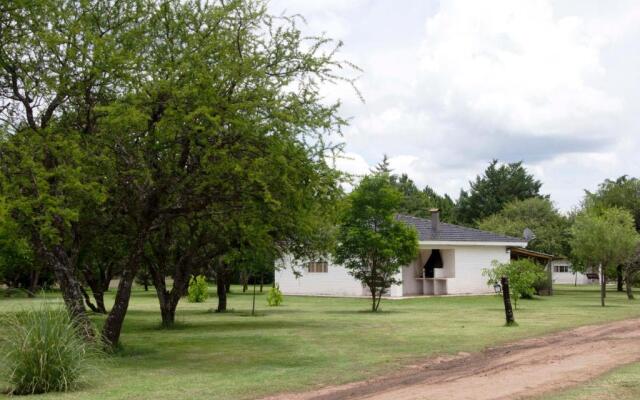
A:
[(600, 306), (266, 311), (148, 321), (367, 312)]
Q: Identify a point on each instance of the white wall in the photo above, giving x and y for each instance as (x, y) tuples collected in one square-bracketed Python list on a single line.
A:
[(336, 282), (568, 277), (410, 285), (469, 263), (462, 265)]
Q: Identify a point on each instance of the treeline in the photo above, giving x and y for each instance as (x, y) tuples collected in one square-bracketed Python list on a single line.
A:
[(599, 234), (161, 139)]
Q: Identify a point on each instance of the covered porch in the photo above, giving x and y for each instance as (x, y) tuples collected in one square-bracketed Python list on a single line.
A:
[(430, 273)]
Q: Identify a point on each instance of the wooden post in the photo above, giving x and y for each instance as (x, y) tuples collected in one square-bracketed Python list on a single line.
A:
[(508, 311), (550, 275)]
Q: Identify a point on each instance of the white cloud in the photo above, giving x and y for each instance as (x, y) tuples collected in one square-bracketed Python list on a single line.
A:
[(515, 67), (450, 85)]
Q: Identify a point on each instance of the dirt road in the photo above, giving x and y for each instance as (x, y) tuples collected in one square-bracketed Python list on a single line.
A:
[(519, 370)]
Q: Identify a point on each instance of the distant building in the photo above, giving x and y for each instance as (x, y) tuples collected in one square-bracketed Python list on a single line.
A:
[(450, 261), (564, 273)]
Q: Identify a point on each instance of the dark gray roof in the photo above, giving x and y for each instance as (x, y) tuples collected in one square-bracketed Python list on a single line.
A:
[(453, 233)]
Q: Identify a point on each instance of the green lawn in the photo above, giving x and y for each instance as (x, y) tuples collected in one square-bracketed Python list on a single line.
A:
[(620, 384), (311, 341)]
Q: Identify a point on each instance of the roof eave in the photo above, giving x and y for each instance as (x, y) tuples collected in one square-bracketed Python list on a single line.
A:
[(471, 243)]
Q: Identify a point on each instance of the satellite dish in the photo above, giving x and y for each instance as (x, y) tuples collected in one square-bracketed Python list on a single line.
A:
[(528, 234)]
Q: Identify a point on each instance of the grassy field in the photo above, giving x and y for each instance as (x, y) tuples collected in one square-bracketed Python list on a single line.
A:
[(311, 341), (620, 384)]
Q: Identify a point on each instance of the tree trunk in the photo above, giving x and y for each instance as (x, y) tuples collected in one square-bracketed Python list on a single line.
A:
[(629, 285), (620, 278), (222, 294), (261, 281), (253, 305), (97, 283), (113, 324), (87, 300), (98, 296), (169, 299), (506, 298), (33, 282), (244, 279), (550, 277), (374, 306), (168, 305), (222, 285), (603, 287), (70, 287)]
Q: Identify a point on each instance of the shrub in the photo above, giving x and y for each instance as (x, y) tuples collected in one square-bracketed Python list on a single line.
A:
[(274, 297), (523, 275), (43, 351), (198, 289)]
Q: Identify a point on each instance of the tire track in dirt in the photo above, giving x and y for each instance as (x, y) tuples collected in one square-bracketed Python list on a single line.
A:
[(518, 370)]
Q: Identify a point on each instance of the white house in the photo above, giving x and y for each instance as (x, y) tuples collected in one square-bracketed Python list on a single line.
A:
[(450, 261), (563, 273)]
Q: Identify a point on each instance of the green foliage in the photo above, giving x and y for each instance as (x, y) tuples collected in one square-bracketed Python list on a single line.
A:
[(372, 244), (111, 127), (16, 257), (539, 215), (418, 202), (275, 296), (490, 192), (523, 276), (623, 192), (43, 351), (198, 289), (604, 237)]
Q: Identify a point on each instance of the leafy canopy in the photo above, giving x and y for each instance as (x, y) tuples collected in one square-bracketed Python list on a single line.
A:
[(603, 237), (538, 214), (372, 244), (418, 202), (623, 192), (491, 191), (523, 276)]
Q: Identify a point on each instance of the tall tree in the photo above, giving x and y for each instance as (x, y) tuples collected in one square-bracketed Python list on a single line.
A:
[(418, 202), (59, 62), (623, 192), (491, 191), (154, 112), (383, 167), (551, 229), (631, 270), (231, 98), (372, 244), (605, 238)]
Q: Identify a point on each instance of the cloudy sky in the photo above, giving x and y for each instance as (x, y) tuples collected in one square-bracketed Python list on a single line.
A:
[(450, 85)]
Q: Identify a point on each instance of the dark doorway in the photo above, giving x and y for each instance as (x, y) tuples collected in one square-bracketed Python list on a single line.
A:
[(434, 261)]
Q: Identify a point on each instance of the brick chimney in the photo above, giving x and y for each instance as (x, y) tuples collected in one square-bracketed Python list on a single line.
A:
[(435, 219)]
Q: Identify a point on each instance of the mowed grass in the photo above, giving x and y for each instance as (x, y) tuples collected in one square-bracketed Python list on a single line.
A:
[(620, 384), (311, 341)]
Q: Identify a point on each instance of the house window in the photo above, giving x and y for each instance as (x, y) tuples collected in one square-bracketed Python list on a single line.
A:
[(561, 268), (318, 266)]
